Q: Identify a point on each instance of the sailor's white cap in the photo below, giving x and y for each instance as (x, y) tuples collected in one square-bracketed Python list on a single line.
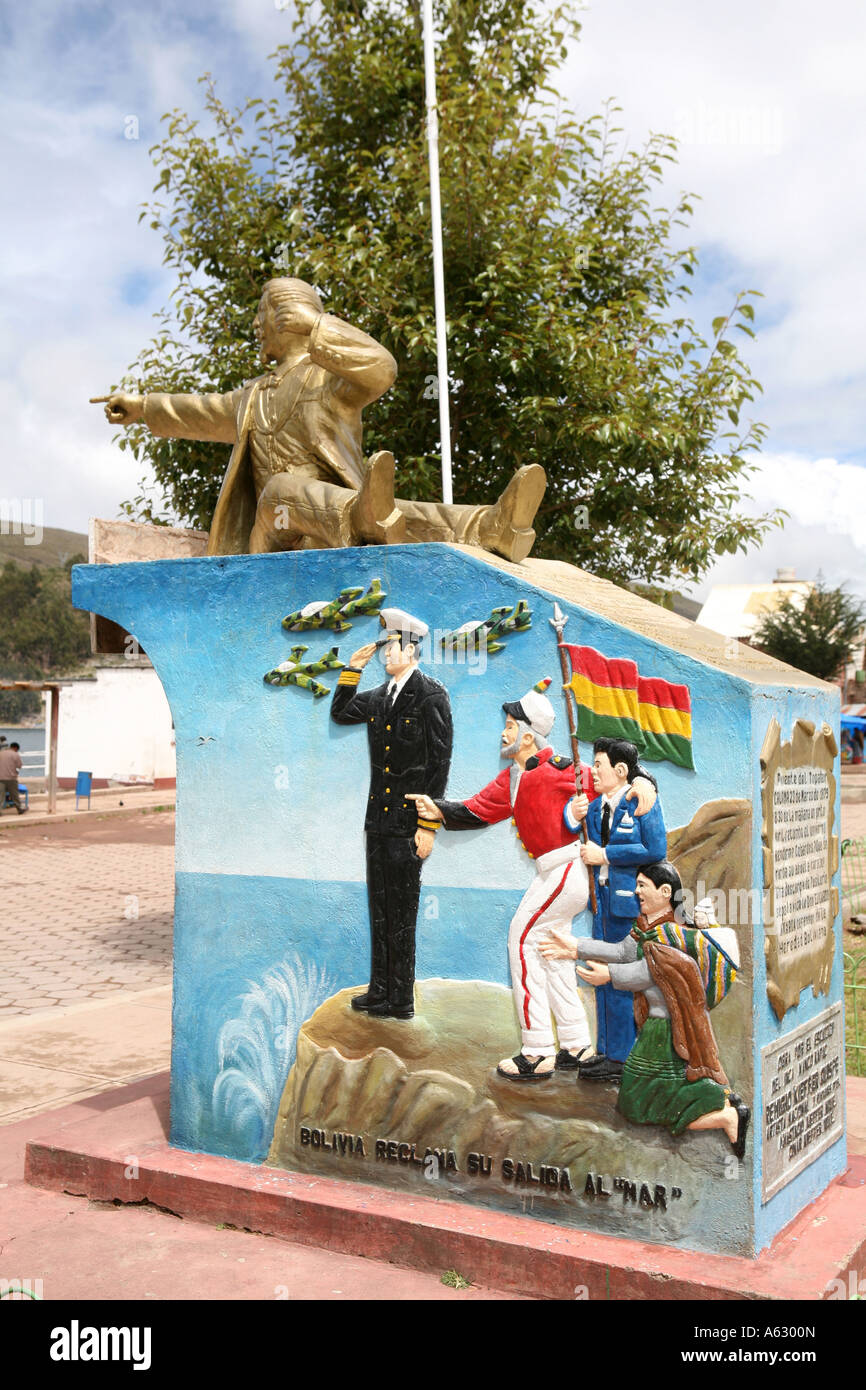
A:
[(399, 624), (534, 709)]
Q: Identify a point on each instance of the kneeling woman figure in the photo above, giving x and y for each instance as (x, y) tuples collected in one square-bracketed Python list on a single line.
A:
[(673, 1075)]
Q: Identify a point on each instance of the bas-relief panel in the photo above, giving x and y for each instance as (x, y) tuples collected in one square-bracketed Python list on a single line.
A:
[(581, 1048)]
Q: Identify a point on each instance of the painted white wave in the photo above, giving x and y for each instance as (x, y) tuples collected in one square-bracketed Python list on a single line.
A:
[(255, 1050)]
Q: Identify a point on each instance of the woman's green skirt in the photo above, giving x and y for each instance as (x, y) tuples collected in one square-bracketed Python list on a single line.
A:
[(654, 1089)]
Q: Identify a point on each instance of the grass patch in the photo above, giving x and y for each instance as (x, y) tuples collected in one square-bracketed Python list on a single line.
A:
[(854, 946), (855, 1003), (455, 1280)]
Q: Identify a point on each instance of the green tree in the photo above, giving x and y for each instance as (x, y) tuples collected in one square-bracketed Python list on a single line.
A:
[(568, 344), (815, 635), (41, 634)]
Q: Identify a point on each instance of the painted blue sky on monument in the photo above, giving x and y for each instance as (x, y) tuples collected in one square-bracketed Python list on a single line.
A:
[(82, 278)]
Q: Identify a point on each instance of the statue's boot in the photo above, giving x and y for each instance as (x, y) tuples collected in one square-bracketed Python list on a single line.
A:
[(375, 515), (506, 527)]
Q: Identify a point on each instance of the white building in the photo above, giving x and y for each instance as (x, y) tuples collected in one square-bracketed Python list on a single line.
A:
[(735, 610), (116, 724)]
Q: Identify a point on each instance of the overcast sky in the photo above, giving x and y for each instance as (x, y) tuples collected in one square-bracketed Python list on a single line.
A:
[(766, 96)]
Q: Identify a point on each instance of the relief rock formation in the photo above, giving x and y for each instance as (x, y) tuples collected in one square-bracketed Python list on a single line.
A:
[(430, 1087)]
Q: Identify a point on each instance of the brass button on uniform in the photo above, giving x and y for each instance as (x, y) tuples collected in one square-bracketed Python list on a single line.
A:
[(387, 769), (388, 728), (387, 789)]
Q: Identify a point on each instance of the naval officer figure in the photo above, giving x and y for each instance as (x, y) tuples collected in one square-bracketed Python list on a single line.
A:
[(409, 734)]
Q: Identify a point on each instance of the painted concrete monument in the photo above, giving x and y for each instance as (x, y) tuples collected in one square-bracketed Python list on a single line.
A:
[(626, 1015), (363, 993)]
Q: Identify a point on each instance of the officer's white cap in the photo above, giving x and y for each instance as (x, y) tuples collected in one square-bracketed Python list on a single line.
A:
[(398, 623)]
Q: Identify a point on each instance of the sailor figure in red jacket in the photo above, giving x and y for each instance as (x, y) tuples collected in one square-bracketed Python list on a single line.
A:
[(535, 792)]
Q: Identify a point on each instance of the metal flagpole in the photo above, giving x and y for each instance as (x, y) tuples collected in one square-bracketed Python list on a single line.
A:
[(557, 622), (438, 271)]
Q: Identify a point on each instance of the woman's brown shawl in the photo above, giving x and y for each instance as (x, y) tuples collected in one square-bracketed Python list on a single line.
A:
[(679, 980)]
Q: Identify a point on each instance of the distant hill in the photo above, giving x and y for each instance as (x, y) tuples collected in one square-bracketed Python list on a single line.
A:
[(55, 548)]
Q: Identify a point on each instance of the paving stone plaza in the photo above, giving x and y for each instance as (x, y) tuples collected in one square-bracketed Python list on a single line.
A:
[(86, 910)]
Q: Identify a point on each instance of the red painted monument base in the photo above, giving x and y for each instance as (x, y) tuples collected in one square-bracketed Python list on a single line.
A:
[(122, 1155)]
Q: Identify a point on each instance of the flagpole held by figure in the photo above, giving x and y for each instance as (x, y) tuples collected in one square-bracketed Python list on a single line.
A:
[(557, 622)]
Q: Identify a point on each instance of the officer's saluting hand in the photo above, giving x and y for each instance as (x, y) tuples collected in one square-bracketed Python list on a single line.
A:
[(359, 659)]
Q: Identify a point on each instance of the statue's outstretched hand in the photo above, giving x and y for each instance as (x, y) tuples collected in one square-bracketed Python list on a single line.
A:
[(594, 972), (120, 409)]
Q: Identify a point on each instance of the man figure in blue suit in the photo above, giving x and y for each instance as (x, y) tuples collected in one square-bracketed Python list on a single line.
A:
[(618, 842)]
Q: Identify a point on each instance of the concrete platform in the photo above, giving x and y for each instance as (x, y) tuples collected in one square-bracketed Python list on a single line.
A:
[(854, 820), (83, 1252), (121, 1155)]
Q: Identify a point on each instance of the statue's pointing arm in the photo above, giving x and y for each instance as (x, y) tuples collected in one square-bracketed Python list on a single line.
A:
[(365, 368), (212, 417)]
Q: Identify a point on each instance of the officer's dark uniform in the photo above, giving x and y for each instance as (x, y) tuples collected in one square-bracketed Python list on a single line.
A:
[(410, 751)]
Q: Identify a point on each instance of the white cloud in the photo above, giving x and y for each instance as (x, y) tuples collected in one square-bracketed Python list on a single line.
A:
[(73, 245), (772, 105), (826, 502)]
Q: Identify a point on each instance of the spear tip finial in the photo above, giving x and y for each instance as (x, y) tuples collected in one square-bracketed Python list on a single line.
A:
[(559, 619)]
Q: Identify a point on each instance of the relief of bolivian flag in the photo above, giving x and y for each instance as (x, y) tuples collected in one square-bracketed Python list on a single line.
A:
[(665, 715), (606, 692)]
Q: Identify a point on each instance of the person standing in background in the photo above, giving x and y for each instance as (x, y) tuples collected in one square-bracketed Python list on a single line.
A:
[(10, 766)]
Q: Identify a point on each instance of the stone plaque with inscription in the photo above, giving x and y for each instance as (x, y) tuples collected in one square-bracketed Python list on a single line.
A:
[(798, 790), (802, 1079)]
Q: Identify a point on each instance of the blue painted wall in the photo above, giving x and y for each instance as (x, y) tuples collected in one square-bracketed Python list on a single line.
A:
[(212, 629)]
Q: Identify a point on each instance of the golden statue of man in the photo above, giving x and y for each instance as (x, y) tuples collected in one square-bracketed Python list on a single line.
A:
[(297, 477)]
